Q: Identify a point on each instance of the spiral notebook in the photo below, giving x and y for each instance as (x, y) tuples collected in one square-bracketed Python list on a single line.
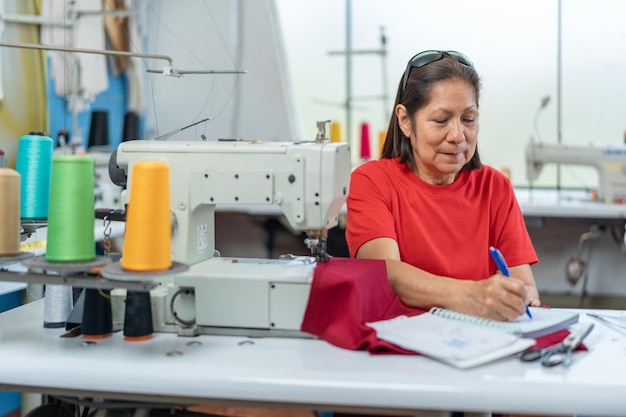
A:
[(466, 341), (544, 321), (455, 343)]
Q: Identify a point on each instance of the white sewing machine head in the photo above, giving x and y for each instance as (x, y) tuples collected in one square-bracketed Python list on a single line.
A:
[(308, 180), (610, 162)]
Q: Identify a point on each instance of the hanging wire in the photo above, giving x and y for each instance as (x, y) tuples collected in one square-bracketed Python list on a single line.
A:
[(232, 61), (183, 44), (143, 57)]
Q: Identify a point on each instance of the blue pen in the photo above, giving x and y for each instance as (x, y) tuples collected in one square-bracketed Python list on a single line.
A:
[(503, 267)]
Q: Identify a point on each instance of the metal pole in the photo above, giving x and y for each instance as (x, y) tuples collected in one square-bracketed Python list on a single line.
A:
[(76, 138), (558, 92), (349, 75), (383, 52), (85, 50)]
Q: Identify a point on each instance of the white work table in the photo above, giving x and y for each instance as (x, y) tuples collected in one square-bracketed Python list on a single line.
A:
[(301, 373), (534, 202), (566, 204)]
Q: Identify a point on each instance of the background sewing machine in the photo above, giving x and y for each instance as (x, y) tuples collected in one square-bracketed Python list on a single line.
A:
[(217, 295), (609, 161)]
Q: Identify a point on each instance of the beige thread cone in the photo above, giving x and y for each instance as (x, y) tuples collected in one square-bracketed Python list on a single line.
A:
[(9, 212)]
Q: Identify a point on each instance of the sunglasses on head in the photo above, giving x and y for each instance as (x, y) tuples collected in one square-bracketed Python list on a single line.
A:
[(428, 57)]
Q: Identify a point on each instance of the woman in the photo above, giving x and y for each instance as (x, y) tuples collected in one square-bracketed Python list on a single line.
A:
[(431, 209)]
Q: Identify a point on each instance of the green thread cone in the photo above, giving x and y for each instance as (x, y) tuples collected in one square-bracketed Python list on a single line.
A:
[(71, 210)]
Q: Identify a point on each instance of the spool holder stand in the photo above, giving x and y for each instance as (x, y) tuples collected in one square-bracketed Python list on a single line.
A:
[(76, 277)]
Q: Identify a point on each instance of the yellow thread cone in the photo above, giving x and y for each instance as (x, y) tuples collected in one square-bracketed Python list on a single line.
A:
[(335, 132), (147, 239), (382, 136)]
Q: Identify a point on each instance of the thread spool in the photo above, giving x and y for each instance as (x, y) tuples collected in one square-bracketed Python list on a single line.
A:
[(70, 227), (71, 214), (138, 316), (99, 129), (9, 212), (366, 152), (335, 132), (131, 127), (57, 305), (147, 238), (97, 320), (382, 136), (34, 164), (63, 138)]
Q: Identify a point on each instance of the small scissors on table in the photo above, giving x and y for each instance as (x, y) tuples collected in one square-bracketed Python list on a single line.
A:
[(561, 353)]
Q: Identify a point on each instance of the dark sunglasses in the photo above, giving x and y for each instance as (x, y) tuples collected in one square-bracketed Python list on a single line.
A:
[(428, 57)]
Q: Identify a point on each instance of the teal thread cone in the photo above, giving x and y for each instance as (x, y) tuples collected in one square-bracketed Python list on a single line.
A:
[(71, 212), (34, 164)]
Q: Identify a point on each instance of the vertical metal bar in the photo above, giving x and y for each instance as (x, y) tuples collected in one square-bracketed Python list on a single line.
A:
[(77, 137), (237, 27), (349, 137), (558, 91), (383, 61)]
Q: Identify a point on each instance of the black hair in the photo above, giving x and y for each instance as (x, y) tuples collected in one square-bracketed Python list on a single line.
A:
[(416, 95)]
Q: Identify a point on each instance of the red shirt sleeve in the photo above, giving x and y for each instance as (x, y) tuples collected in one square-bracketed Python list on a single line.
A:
[(369, 213)]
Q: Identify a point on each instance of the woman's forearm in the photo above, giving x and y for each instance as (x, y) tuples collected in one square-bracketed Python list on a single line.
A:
[(420, 289), (496, 298)]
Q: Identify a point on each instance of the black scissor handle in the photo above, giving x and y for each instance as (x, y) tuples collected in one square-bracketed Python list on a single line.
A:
[(533, 354), (557, 357)]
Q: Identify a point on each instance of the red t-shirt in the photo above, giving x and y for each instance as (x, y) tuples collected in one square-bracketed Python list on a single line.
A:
[(443, 229)]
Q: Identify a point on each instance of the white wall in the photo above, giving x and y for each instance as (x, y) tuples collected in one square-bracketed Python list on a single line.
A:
[(514, 46)]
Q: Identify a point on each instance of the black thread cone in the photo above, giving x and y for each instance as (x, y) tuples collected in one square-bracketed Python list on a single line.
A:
[(99, 129), (97, 315), (131, 127), (138, 316)]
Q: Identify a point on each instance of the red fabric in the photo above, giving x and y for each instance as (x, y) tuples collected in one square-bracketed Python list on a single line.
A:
[(445, 229), (346, 293), (551, 339)]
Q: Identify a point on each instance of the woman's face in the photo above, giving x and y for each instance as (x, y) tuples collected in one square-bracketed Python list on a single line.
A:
[(443, 133)]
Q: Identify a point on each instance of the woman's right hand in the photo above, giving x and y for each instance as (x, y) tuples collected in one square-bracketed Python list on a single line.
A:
[(496, 298)]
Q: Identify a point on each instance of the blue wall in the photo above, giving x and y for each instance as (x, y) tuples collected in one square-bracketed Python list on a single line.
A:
[(113, 101)]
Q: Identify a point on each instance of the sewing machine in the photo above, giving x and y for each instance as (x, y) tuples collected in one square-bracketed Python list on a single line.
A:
[(218, 295), (609, 161)]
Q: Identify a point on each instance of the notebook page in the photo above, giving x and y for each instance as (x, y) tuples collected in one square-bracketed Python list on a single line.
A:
[(442, 338)]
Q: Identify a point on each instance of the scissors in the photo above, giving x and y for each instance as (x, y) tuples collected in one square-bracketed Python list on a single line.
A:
[(561, 353)]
